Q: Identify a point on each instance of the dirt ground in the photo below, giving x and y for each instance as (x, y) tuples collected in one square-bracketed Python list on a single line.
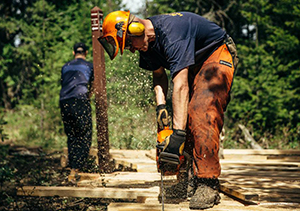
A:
[(20, 166)]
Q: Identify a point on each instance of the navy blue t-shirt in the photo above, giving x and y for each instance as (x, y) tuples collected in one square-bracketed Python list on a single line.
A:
[(179, 38), (76, 76)]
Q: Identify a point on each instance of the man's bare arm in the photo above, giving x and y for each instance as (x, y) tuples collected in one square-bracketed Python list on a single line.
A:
[(180, 99), (160, 84)]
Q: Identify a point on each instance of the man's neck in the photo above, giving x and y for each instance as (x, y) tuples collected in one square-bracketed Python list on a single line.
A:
[(80, 57)]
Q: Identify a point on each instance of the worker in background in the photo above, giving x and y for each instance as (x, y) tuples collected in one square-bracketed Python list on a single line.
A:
[(76, 85), (202, 59)]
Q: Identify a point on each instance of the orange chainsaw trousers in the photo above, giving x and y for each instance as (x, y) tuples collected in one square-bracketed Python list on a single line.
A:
[(209, 96)]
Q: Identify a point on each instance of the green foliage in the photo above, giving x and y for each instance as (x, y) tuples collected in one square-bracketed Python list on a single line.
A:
[(265, 96), (216, 11), (130, 100), (3, 135), (36, 126)]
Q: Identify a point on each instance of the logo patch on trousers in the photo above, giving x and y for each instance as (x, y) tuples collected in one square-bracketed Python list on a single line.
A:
[(226, 63)]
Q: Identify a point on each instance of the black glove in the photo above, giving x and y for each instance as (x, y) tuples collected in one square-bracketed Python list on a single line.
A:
[(174, 143), (162, 116)]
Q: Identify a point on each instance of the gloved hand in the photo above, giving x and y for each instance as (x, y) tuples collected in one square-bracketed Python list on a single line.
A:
[(174, 143), (162, 117)]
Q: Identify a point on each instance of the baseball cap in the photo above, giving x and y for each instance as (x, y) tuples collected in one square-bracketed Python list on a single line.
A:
[(80, 47)]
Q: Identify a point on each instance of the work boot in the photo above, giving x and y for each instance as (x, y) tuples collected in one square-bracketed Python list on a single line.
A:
[(177, 191), (206, 194), (183, 189)]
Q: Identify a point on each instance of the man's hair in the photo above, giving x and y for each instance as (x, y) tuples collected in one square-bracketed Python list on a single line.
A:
[(80, 48)]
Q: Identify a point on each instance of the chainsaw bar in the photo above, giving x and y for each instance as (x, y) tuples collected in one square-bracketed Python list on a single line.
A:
[(162, 191)]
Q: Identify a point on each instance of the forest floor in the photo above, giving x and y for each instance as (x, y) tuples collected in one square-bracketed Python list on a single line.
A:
[(21, 166), (251, 180)]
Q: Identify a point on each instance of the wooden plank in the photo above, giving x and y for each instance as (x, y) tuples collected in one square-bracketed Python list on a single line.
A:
[(287, 205), (279, 191), (104, 193), (85, 176), (141, 207), (257, 182), (275, 197), (120, 153), (246, 154), (251, 176), (117, 153), (260, 152), (245, 158), (262, 168), (253, 163), (125, 179), (139, 165), (184, 207), (238, 192), (275, 158), (151, 154), (270, 174), (140, 161), (147, 168), (124, 163), (132, 159), (285, 158), (279, 187)]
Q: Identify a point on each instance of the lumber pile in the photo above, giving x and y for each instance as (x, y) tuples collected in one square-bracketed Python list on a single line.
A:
[(273, 174), (250, 180)]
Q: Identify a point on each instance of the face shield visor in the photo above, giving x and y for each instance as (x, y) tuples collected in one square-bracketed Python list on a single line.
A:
[(110, 45), (114, 32)]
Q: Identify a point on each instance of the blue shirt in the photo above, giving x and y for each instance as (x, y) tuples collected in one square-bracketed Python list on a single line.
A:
[(180, 37), (76, 76)]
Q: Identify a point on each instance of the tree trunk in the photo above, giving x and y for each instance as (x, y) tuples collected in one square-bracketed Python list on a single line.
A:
[(249, 138)]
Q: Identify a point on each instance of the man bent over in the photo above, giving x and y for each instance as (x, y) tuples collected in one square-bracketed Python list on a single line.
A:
[(202, 60)]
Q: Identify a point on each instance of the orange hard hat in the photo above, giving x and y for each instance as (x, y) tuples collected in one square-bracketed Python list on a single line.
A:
[(114, 29)]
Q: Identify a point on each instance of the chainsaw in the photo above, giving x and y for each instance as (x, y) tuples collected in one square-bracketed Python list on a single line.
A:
[(167, 163), (170, 164)]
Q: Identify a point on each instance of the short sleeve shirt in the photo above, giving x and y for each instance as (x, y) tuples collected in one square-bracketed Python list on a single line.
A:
[(76, 77), (179, 37)]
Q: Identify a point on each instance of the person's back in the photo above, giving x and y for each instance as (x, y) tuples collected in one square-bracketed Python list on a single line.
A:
[(76, 77), (76, 82), (180, 38)]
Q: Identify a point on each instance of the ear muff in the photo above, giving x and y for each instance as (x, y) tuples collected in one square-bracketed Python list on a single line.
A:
[(136, 29)]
